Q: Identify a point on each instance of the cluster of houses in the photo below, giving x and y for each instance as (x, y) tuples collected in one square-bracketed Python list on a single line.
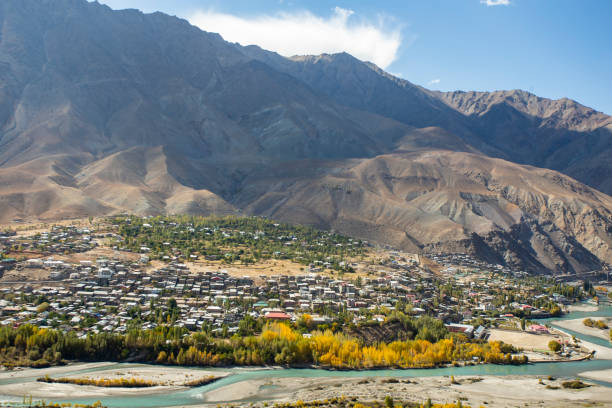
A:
[(58, 240), (102, 295), (111, 294), (454, 261), (85, 289)]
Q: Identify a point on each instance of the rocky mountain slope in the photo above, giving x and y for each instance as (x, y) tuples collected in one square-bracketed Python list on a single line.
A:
[(440, 200), (557, 134), (104, 111), (514, 125)]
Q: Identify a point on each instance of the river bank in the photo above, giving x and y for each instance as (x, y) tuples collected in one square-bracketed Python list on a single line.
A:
[(601, 352), (507, 391), (535, 346), (578, 326), (169, 379), (21, 372), (601, 375), (497, 385), (582, 307)]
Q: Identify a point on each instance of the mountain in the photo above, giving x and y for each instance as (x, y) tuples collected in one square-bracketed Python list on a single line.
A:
[(362, 85), (557, 134), (439, 200), (124, 79), (514, 125), (105, 111)]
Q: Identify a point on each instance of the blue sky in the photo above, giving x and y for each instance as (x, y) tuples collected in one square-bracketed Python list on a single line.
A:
[(553, 48)]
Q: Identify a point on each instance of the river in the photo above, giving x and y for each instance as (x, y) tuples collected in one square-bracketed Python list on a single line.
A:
[(195, 395)]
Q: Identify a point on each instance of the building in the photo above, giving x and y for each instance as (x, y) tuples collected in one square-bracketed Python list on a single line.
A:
[(281, 316)]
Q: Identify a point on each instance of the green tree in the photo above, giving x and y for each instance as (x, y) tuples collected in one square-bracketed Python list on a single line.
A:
[(248, 326), (554, 346), (172, 303), (42, 307)]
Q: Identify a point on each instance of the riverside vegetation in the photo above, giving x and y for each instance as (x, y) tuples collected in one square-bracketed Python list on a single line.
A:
[(122, 382), (598, 324), (29, 402), (101, 382), (429, 345), (335, 402), (354, 402)]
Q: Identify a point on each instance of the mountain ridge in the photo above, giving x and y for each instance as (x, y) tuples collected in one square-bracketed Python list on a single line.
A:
[(573, 139), (107, 111)]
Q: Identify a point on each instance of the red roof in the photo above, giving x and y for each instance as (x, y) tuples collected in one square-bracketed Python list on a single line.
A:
[(277, 315)]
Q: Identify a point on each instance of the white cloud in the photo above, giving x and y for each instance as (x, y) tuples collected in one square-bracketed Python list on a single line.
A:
[(302, 33), (496, 2), (434, 82)]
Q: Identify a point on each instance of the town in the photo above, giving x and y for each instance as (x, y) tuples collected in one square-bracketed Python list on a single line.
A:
[(113, 292)]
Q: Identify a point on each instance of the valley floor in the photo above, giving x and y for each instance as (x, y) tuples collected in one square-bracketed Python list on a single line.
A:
[(475, 390), (490, 391)]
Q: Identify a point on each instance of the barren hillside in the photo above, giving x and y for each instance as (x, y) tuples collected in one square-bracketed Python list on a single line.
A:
[(106, 111)]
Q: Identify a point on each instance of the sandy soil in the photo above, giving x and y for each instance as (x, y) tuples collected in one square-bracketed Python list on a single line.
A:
[(267, 268), (526, 341), (99, 252), (490, 391), (53, 371), (601, 352), (601, 375), (173, 378), (487, 391), (25, 275), (577, 326), (69, 391), (581, 307), (31, 228)]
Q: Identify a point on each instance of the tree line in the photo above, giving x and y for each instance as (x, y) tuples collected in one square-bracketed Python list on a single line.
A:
[(278, 343)]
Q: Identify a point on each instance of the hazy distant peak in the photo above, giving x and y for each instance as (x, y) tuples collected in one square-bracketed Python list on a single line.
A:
[(563, 112), (335, 57)]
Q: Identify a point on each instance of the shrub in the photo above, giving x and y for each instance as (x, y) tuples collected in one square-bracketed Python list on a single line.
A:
[(103, 382), (575, 384), (554, 346), (600, 324), (201, 381)]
